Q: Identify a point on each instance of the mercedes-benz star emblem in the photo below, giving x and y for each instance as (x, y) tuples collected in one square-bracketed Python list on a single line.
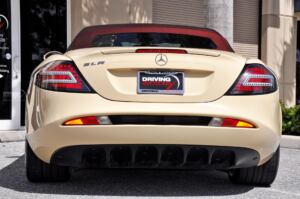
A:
[(161, 59)]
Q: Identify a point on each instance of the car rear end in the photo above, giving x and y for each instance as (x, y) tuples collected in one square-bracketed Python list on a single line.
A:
[(153, 107)]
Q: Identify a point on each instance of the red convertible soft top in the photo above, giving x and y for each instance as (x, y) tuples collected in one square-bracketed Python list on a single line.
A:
[(85, 36)]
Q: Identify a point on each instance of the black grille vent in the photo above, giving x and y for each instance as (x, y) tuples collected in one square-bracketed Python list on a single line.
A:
[(154, 156), (160, 120)]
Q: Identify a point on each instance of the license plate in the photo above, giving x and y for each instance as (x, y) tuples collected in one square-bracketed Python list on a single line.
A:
[(160, 82)]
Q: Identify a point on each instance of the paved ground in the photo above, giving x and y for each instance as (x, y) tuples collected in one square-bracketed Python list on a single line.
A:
[(142, 183)]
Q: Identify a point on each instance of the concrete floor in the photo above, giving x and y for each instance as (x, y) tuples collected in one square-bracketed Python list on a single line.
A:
[(142, 183)]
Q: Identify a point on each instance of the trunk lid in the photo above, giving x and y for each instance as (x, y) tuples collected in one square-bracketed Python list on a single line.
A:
[(112, 72)]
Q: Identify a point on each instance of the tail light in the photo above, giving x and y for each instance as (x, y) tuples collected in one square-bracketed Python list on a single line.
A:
[(88, 120), (176, 51), (230, 122), (254, 79), (61, 76)]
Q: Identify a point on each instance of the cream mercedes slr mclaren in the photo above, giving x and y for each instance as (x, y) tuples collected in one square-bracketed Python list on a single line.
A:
[(152, 96)]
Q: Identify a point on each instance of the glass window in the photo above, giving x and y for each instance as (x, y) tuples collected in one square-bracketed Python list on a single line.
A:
[(298, 80), (297, 5), (298, 65), (5, 61), (152, 39), (43, 25)]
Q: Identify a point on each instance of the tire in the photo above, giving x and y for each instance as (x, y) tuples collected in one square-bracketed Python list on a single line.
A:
[(39, 171), (262, 175)]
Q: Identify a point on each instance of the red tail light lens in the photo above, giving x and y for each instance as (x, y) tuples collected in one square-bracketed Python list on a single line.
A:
[(88, 120), (255, 79), (177, 51), (61, 76), (230, 122)]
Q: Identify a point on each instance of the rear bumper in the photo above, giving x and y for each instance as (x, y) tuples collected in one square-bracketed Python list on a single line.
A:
[(47, 112), (47, 140), (155, 156)]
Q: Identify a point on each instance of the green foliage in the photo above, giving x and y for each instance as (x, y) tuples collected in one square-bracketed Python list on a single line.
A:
[(291, 120)]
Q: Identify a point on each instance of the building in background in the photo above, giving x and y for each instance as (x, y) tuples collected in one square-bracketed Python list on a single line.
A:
[(266, 29)]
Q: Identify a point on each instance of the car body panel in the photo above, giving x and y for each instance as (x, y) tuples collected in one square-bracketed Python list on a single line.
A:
[(51, 109), (208, 74), (112, 74)]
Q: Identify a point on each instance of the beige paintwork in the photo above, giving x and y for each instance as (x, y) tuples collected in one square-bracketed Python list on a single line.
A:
[(278, 28), (94, 12), (204, 72), (209, 74), (279, 44)]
